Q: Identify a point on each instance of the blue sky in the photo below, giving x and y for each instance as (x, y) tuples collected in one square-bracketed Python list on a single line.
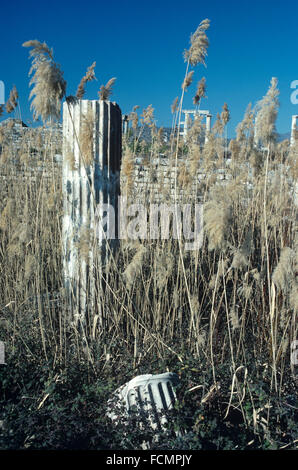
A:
[(141, 44)]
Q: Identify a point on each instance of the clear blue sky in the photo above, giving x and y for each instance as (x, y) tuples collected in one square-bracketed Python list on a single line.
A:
[(141, 43)]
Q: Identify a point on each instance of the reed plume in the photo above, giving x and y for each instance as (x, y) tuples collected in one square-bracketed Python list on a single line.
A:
[(148, 115), (12, 101), (134, 268), (246, 126), (49, 86), (199, 43), (294, 297), (188, 80), (241, 256), (174, 105), (218, 126), (234, 148), (217, 219), (283, 273), (88, 77), (234, 318), (106, 90), (134, 118), (225, 114), (267, 109), (201, 91)]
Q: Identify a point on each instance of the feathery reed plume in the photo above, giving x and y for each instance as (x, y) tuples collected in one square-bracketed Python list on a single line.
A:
[(188, 80), (256, 160), (267, 109), (245, 290), (134, 118), (184, 178), (217, 219), (12, 101), (49, 86), (160, 135), (201, 91), (88, 77), (209, 151), (148, 115), (106, 90), (194, 156), (174, 105), (135, 266), (199, 43), (283, 273), (294, 297), (234, 318), (196, 132), (246, 126), (218, 126), (225, 114), (241, 256), (164, 263), (234, 148), (201, 339)]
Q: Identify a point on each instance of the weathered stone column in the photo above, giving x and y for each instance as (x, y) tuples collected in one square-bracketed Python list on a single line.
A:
[(208, 126), (186, 124), (125, 122), (92, 132)]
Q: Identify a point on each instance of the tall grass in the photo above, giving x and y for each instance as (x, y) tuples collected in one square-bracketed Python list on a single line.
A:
[(234, 301)]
